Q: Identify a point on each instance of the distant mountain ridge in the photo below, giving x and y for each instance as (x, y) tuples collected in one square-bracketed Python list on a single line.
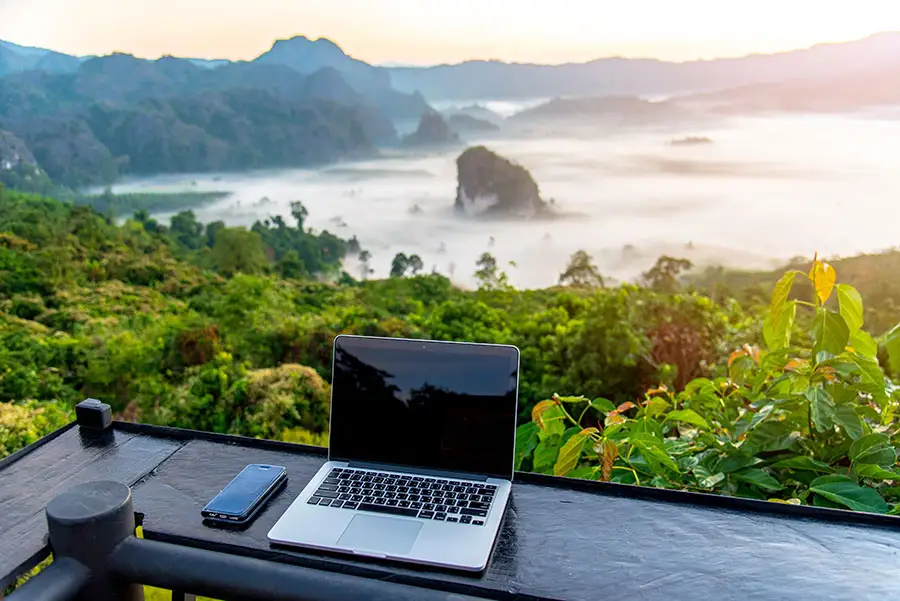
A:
[(620, 76)]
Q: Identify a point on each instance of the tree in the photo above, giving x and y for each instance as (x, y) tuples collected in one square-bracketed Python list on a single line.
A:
[(415, 264), (365, 258), (399, 265), (187, 230), (237, 250), (663, 276), (211, 230), (581, 272), (488, 274), (291, 267), (300, 213)]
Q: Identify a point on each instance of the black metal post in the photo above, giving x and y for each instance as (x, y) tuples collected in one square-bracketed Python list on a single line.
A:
[(60, 581), (86, 523)]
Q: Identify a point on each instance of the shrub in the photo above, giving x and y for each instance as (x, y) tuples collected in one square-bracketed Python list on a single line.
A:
[(801, 423)]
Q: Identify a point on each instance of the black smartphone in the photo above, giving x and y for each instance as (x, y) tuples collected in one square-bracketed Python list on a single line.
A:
[(245, 495)]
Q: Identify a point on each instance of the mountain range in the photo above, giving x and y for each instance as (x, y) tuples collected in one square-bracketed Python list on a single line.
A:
[(88, 120), (302, 103)]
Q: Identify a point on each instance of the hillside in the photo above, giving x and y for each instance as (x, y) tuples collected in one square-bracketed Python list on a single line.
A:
[(120, 115), (621, 76)]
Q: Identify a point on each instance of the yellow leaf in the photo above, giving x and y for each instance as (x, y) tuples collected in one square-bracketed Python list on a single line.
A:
[(614, 418), (738, 354), (823, 276), (571, 452), (538, 412), (625, 407), (794, 364)]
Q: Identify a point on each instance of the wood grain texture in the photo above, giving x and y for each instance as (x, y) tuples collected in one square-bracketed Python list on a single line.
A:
[(560, 543), (31, 481)]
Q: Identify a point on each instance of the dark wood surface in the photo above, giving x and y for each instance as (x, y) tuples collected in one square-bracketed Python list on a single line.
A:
[(28, 482), (560, 540)]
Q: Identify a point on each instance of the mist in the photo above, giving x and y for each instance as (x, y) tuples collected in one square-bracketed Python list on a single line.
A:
[(765, 190)]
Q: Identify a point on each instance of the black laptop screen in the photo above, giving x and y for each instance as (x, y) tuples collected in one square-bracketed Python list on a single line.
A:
[(435, 405)]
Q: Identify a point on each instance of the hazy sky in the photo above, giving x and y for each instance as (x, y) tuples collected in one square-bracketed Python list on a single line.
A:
[(437, 31)]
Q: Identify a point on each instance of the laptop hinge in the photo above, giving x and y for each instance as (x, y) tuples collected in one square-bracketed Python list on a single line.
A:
[(417, 470)]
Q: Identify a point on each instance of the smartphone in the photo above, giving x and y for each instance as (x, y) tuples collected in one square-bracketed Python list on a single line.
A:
[(239, 502)]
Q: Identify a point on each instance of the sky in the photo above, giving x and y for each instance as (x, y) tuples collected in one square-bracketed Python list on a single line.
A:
[(425, 32)]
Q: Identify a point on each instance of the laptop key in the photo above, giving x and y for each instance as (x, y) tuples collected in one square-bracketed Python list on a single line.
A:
[(480, 513), (415, 505), (327, 494), (324, 502), (337, 503), (466, 519), (486, 491), (426, 514), (328, 487), (450, 518), (314, 500), (428, 507), (441, 508), (440, 516), (385, 509), (453, 509), (404, 503), (393, 502), (367, 499), (350, 504), (478, 522), (344, 497), (477, 505)]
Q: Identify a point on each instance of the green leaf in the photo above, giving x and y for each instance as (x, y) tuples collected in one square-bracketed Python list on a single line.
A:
[(777, 328), (849, 494), (571, 399), (571, 452), (801, 462), (759, 478), (875, 448), (545, 455), (526, 441), (875, 472), (655, 406), (851, 306), (688, 416), (712, 481), (553, 420), (892, 343), (871, 378), (733, 463), (832, 478), (653, 450), (830, 332), (821, 408), (602, 405), (863, 343), (846, 417), (780, 294)]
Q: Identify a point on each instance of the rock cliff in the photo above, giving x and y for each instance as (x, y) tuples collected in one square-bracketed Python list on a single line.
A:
[(492, 185), (432, 131)]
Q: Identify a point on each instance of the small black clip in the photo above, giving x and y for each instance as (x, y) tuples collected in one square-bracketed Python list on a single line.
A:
[(92, 414)]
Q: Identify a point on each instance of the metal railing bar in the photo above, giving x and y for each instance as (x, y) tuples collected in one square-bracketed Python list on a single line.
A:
[(60, 581), (220, 575)]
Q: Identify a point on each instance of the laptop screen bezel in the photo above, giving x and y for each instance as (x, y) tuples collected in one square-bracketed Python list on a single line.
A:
[(510, 351)]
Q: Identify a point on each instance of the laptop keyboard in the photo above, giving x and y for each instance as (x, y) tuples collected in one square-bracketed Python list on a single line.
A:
[(456, 501)]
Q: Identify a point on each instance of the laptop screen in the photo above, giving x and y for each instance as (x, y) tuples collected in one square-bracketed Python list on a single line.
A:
[(436, 405)]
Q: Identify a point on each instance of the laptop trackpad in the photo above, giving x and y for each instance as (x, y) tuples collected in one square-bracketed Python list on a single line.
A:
[(381, 534)]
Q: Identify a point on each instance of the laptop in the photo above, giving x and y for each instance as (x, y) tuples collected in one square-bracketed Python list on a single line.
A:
[(420, 457)]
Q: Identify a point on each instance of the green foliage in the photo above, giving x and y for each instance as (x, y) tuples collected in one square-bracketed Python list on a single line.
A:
[(24, 423), (581, 272), (237, 250), (800, 422)]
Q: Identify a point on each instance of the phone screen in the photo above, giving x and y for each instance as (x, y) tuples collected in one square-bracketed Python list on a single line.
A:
[(242, 493)]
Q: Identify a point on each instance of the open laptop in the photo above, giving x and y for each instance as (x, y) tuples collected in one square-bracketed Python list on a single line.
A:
[(420, 457)]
